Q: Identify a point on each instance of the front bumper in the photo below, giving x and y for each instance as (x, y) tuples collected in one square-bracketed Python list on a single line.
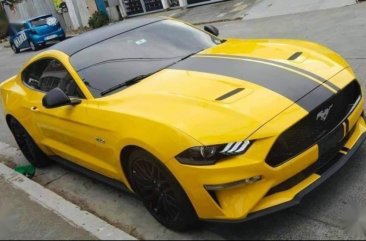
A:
[(337, 163), (280, 188)]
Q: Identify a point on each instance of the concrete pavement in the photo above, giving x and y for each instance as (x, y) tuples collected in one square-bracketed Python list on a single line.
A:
[(218, 12), (270, 8), (249, 9), (22, 218), (30, 211), (320, 214)]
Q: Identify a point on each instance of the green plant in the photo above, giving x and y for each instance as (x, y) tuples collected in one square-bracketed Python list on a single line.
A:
[(98, 19)]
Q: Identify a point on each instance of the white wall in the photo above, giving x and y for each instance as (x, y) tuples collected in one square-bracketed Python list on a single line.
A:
[(72, 14), (82, 9)]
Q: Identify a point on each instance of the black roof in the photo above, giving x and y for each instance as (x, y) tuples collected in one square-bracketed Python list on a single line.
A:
[(85, 40)]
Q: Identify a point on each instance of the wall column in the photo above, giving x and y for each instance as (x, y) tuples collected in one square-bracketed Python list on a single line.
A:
[(183, 3), (73, 17), (165, 4), (122, 9)]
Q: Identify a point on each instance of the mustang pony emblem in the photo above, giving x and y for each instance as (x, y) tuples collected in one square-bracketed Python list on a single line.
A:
[(322, 115)]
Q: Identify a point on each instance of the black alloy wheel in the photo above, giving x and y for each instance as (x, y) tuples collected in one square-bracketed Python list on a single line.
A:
[(27, 145), (160, 192)]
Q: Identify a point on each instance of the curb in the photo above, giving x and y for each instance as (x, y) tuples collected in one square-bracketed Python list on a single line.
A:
[(65, 209)]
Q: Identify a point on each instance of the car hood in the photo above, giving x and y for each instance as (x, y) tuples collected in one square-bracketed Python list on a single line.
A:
[(221, 96), (308, 56)]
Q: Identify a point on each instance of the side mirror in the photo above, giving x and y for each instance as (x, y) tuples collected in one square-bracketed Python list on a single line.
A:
[(212, 30), (57, 98)]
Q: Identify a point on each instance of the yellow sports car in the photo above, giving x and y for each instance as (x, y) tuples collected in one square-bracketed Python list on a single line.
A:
[(199, 127)]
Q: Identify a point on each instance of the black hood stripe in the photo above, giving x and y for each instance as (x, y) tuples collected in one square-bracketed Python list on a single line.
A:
[(312, 75), (287, 83)]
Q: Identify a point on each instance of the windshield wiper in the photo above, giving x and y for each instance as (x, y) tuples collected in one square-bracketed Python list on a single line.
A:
[(124, 84)]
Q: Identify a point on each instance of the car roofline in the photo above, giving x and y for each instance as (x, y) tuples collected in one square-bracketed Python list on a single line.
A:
[(28, 20), (40, 16), (83, 41)]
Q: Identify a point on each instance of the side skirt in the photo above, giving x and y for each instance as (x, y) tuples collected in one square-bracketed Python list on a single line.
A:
[(91, 174)]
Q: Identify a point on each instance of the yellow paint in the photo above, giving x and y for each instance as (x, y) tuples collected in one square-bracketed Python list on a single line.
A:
[(174, 110)]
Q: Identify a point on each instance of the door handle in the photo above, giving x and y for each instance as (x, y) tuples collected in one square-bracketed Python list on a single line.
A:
[(34, 108)]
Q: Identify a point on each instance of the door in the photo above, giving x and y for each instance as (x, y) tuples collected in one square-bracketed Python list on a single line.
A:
[(65, 130), (101, 6)]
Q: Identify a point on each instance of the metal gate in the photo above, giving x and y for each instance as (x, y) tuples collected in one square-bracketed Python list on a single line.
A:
[(142, 6)]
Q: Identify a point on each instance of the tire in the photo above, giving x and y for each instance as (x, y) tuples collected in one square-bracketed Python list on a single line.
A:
[(15, 49), (27, 145), (160, 192), (33, 46)]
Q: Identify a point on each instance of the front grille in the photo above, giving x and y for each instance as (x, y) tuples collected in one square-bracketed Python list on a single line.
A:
[(311, 129), (323, 164)]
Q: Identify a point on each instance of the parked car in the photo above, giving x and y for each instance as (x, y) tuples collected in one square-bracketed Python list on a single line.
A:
[(199, 127), (35, 32)]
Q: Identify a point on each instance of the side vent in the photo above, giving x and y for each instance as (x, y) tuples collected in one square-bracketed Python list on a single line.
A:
[(295, 56), (229, 94), (214, 197)]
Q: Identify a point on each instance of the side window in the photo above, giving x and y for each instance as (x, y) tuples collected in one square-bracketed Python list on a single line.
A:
[(32, 74), (12, 31), (19, 27), (47, 74), (25, 26)]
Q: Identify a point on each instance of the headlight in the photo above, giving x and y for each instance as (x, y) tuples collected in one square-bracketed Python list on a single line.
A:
[(208, 155)]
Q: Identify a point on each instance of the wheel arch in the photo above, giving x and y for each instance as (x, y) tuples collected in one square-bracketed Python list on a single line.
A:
[(123, 158), (8, 117)]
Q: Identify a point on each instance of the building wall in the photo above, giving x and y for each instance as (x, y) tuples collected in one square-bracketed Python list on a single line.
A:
[(73, 14), (92, 6), (112, 10), (82, 9)]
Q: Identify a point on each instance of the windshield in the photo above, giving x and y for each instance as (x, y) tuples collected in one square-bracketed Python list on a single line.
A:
[(138, 52), (41, 21)]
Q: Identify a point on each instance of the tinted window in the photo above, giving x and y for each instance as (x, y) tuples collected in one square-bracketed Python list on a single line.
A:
[(17, 28), (40, 21), (141, 51), (47, 74)]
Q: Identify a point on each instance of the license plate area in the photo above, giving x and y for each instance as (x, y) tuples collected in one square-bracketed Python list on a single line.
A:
[(331, 144), (51, 37)]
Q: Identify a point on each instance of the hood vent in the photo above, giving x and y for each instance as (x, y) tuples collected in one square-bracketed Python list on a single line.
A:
[(295, 56), (229, 94)]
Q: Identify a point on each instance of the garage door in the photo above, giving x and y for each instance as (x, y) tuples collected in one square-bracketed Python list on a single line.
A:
[(142, 6)]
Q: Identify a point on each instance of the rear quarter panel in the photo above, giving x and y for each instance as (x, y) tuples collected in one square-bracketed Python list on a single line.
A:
[(15, 103)]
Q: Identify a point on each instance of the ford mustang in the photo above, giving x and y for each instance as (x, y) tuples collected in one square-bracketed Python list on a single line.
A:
[(198, 127)]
